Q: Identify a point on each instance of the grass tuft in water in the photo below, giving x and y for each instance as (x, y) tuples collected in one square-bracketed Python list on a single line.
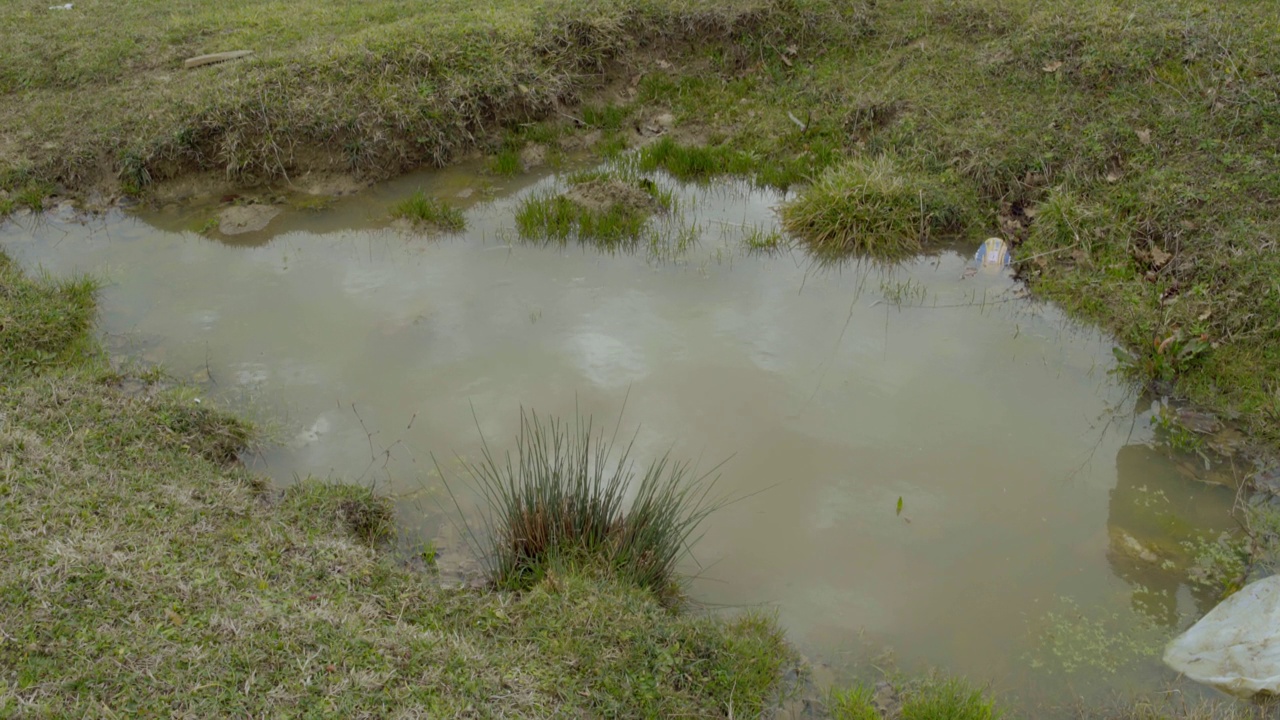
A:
[(569, 497), (877, 208), (424, 210), (609, 209), (506, 163), (32, 195), (761, 240)]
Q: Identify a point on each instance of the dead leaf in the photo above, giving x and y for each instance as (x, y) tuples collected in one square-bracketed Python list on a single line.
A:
[(1160, 258), (1144, 136), (1113, 176), (1053, 66), (174, 617), (792, 50)]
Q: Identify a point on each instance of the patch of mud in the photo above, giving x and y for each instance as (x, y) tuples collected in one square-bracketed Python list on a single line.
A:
[(583, 141), (329, 184), (605, 195), (241, 219), (533, 156), (189, 188)]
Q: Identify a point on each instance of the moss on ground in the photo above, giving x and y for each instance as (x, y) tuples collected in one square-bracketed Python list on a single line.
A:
[(147, 574)]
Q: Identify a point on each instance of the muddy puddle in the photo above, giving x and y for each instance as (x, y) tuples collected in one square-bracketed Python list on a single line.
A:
[(934, 470)]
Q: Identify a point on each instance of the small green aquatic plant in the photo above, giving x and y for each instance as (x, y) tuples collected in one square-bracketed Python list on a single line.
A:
[(569, 496), (425, 210), (1072, 640), (762, 240), (1220, 563), (902, 293)]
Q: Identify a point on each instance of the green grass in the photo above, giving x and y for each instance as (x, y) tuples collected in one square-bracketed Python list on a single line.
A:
[(611, 145), (692, 162), (605, 117), (609, 209), (854, 702), (505, 163), (761, 240), (875, 207), (921, 699), (98, 93), (571, 498), (423, 210), (148, 574), (43, 325)]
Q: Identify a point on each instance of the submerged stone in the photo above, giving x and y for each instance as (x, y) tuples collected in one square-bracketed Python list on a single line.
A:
[(240, 219)]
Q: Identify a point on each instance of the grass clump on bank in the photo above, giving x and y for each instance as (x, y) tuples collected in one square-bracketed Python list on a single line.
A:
[(607, 209), (42, 325), (569, 498), (699, 163), (874, 207), (420, 209)]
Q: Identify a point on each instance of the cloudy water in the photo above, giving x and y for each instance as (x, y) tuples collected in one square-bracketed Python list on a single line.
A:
[(929, 464)]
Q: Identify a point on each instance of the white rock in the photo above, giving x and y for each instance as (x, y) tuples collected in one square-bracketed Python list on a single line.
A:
[(1236, 647)]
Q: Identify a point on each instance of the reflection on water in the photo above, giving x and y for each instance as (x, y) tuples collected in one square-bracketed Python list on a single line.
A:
[(1026, 477)]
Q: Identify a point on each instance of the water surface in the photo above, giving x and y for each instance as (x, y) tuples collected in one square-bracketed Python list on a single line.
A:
[(1023, 467)]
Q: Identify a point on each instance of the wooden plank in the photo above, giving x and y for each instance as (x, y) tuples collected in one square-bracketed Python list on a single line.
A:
[(202, 60)]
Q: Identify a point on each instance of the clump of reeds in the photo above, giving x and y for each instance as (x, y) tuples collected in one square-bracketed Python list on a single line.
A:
[(569, 495), (421, 209)]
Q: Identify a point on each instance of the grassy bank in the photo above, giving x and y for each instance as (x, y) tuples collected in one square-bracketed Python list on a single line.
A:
[(97, 96), (146, 574)]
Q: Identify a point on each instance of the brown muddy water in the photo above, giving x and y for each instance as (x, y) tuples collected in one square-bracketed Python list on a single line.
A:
[(1041, 540)]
